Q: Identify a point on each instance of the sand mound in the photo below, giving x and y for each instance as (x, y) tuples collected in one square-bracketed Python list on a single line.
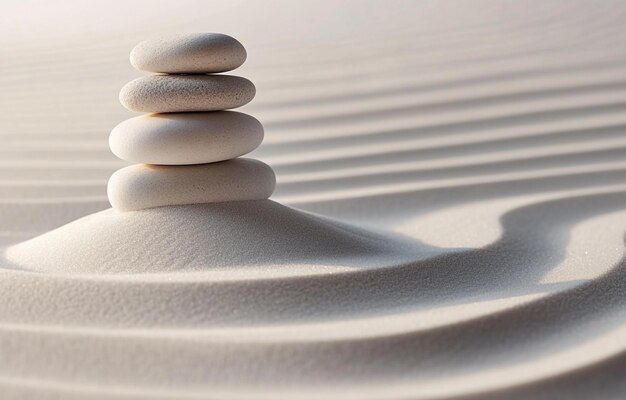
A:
[(200, 237)]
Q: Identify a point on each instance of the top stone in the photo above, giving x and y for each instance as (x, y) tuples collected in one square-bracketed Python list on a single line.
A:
[(195, 53)]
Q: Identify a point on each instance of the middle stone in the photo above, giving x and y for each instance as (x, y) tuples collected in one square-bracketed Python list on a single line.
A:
[(182, 93), (186, 138)]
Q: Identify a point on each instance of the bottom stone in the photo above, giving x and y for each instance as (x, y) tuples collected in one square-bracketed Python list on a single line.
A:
[(144, 186)]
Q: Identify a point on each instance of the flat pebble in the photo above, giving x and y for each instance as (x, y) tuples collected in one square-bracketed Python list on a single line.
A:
[(186, 138), (145, 186), (181, 93), (189, 53)]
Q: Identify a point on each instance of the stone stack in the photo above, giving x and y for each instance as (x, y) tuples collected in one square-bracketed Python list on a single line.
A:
[(188, 145)]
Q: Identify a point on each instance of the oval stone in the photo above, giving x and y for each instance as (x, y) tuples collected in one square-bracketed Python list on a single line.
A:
[(145, 186), (181, 93), (186, 138), (189, 54)]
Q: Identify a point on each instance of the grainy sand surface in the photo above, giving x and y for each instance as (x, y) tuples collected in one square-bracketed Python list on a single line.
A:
[(452, 177)]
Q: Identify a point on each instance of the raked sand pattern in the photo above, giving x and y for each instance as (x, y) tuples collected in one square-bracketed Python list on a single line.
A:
[(461, 168)]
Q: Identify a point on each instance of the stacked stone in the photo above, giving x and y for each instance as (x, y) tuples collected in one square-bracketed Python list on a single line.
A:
[(187, 146)]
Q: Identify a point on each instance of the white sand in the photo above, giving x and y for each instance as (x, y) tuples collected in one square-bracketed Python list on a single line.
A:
[(467, 162)]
